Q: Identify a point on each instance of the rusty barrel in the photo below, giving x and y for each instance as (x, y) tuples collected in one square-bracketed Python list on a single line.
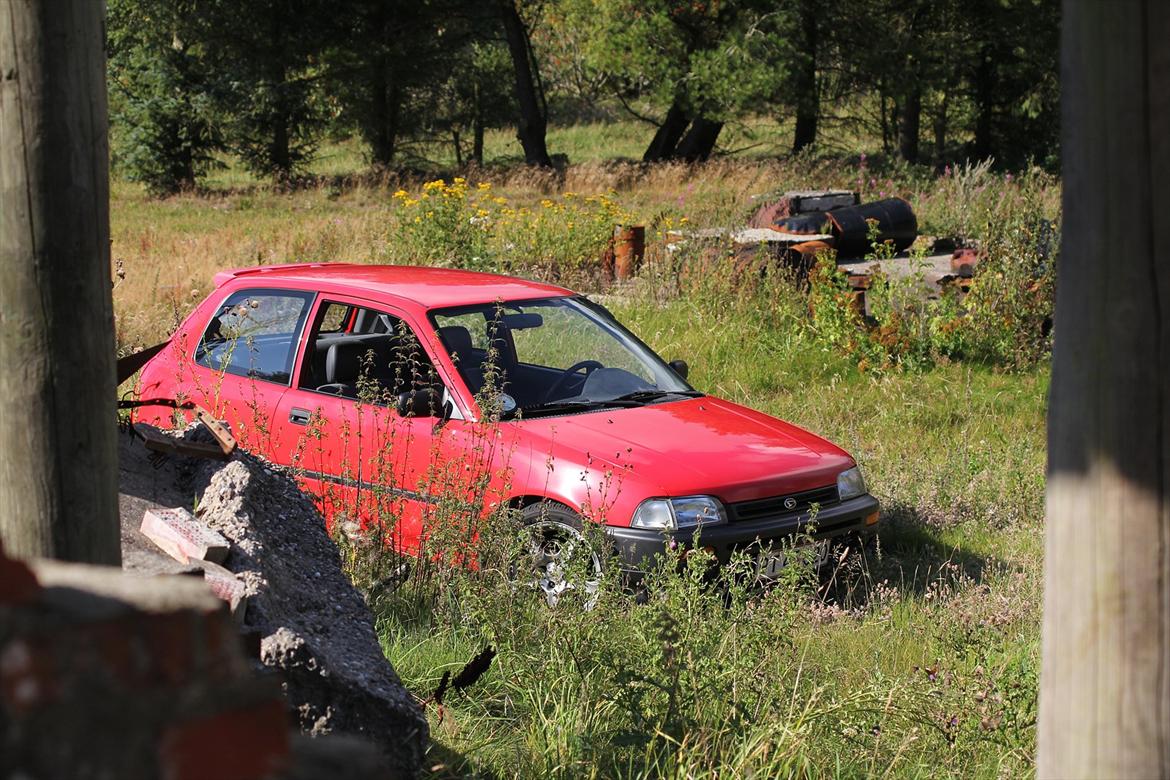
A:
[(849, 225), (629, 247)]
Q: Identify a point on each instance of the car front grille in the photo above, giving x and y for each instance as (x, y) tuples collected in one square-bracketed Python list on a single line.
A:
[(778, 506)]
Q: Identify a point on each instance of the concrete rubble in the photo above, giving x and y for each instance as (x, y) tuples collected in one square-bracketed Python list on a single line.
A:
[(314, 628)]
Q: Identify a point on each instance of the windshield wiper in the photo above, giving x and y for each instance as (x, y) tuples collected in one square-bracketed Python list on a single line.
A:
[(642, 396), (559, 407)]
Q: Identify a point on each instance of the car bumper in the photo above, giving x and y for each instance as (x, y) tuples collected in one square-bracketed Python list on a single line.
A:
[(636, 547)]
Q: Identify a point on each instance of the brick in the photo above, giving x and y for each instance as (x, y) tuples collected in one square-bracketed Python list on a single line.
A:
[(17, 583), (181, 536), (225, 586), (244, 744)]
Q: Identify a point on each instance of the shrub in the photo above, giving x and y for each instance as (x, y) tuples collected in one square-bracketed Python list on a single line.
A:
[(562, 237), (1004, 320)]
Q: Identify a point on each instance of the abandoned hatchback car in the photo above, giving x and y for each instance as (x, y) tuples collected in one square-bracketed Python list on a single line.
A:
[(391, 389)]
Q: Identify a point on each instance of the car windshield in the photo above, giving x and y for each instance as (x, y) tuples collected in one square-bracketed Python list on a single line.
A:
[(554, 356)]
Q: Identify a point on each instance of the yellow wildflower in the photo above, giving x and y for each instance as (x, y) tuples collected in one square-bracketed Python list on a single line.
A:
[(400, 194), (483, 185)]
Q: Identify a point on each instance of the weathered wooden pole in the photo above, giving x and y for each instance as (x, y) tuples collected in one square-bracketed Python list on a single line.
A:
[(58, 451), (1105, 679)]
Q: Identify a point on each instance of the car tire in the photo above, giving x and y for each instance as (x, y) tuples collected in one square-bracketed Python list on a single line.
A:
[(552, 535)]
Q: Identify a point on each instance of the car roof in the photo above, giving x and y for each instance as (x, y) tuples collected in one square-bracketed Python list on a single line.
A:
[(429, 288)]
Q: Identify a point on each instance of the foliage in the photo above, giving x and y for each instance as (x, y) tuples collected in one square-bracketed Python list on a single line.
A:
[(265, 53), (159, 95), (269, 80), (456, 224)]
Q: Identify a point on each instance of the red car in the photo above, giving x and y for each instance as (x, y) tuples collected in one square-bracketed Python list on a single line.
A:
[(395, 390)]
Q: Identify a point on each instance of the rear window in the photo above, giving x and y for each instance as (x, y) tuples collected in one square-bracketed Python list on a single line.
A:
[(254, 334)]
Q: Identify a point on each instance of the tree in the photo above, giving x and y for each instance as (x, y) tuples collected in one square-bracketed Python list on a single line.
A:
[(58, 475), (162, 103), (533, 124), (808, 102), (266, 54), (382, 50), (1012, 80), (1104, 690), (680, 57)]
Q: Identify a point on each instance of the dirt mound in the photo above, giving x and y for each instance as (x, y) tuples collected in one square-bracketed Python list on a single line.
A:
[(315, 628)]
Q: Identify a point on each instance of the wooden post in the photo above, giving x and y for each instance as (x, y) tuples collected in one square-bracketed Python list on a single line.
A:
[(58, 446), (1105, 679)]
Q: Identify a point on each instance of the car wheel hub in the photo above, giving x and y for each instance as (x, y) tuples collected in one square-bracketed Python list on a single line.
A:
[(551, 546)]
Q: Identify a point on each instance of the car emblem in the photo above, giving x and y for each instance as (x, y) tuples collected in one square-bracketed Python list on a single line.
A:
[(790, 503)]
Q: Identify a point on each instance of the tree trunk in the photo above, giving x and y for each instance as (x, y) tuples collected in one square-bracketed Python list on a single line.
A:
[(477, 130), (808, 101), (940, 132), (984, 98), (380, 138), (669, 133), (699, 141), (58, 472), (909, 125), (884, 116), (1105, 686), (533, 116), (280, 144)]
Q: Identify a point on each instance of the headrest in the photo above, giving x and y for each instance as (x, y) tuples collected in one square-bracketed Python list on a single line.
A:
[(457, 340), (343, 361)]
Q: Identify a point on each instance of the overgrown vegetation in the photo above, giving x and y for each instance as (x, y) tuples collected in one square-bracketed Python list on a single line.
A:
[(918, 659)]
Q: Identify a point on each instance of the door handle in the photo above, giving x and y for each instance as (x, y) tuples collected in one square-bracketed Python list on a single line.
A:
[(298, 416)]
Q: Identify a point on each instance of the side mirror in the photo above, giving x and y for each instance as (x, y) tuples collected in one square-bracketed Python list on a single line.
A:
[(420, 403), (680, 367)]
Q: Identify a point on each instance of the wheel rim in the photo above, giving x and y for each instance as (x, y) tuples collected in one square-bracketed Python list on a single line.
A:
[(550, 548)]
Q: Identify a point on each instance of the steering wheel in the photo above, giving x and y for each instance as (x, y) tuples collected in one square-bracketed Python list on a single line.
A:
[(587, 365)]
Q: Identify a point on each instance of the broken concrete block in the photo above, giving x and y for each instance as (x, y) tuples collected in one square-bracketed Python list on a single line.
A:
[(316, 629), (181, 536)]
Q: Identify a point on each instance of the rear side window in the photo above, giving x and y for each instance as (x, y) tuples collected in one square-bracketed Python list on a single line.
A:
[(254, 334)]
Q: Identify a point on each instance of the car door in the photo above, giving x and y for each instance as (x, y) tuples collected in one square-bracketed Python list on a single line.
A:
[(244, 360), (339, 428)]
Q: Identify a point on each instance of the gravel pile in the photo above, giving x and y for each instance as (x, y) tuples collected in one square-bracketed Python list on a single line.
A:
[(316, 630)]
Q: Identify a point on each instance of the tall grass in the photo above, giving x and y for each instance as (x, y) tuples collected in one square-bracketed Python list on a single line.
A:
[(918, 659)]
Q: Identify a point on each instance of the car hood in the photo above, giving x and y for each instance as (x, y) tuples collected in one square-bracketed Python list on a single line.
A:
[(696, 446)]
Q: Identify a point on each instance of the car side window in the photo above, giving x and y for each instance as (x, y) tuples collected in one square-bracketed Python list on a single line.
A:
[(374, 356), (254, 333)]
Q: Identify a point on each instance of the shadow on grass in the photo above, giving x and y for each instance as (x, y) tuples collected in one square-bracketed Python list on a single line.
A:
[(910, 557), (444, 763)]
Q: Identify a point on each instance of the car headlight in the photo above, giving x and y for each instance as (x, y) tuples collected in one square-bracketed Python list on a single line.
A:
[(673, 513), (850, 484)]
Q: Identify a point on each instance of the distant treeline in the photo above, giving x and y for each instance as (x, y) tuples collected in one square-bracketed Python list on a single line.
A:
[(267, 80)]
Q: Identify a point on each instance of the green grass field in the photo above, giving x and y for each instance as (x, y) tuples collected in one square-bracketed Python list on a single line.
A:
[(917, 661)]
